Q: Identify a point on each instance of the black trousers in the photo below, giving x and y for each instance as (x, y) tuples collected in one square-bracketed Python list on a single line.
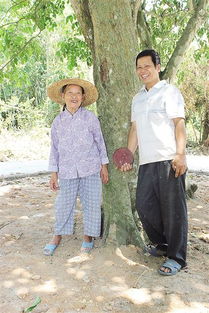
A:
[(161, 205)]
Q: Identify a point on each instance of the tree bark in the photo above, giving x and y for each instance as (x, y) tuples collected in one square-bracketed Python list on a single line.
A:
[(114, 49), (143, 30), (205, 134)]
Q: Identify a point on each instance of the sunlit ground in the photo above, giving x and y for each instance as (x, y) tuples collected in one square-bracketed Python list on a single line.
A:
[(111, 279)]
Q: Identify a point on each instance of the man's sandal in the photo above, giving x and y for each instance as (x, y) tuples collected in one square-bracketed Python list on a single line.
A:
[(87, 246), (49, 249), (172, 265)]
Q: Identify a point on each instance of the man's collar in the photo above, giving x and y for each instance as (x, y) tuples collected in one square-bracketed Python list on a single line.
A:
[(157, 85)]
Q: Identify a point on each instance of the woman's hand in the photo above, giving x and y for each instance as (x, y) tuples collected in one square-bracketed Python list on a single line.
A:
[(104, 174), (53, 182)]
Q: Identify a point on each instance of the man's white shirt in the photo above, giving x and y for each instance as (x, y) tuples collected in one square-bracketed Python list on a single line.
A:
[(154, 111)]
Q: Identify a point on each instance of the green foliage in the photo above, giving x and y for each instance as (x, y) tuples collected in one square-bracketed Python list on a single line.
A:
[(20, 115), (21, 33), (192, 82), (203, 43), (167, 20), (74, 49), (45, 13)]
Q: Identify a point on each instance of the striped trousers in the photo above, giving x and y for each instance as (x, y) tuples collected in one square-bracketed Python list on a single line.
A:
[(89, 190)]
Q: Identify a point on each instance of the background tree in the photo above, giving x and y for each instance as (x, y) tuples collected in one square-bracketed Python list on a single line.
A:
[(192, 80)]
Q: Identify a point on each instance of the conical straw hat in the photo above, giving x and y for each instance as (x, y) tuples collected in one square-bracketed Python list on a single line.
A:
[(54, 91)]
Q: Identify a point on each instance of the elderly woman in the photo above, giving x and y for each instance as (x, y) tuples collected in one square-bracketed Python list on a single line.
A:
[(78, 160)]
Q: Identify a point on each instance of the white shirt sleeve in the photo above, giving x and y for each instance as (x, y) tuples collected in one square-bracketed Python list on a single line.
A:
[(133, 112), (174, 102)]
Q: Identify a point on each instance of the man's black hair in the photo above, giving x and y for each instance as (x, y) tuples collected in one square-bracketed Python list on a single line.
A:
[(149, 52)]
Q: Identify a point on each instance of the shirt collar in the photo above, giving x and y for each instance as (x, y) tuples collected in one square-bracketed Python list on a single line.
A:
[(67, 113), (157, 85)]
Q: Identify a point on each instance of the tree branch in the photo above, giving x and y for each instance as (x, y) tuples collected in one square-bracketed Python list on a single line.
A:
[(16, 22), (135, 8), (190, 4), (10, 8), (196, 20), (81, 9), (34, 7), (20, 51), (143, 29)]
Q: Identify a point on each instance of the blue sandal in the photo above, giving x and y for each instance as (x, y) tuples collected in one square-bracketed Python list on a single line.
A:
[(172, 265), (49, 249), (87, 246)]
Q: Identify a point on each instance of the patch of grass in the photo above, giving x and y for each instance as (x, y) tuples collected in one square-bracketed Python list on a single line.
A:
[(35, 303)]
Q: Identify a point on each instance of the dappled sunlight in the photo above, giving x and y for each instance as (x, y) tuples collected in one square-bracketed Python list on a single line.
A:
[(40, 215), (22, 292), (119, 280), (178, 306), (21, 272), (100, 298), (77, 273), (137, 296), (23, 280), (86, 266), (48, 286), (4, 190), (120, 287), (8, 283), (198, 309), (110, 279), (24, 217)]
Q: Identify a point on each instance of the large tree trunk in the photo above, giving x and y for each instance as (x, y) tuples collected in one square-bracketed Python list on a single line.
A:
[(114, 73), (114, 50)]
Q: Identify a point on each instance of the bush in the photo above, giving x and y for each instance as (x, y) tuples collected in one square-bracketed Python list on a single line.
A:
[(21, 115)]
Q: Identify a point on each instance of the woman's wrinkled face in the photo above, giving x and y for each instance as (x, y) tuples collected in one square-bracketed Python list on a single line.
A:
[(73, 97)]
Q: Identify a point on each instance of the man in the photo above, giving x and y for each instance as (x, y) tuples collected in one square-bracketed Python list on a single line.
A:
[(158, 128)]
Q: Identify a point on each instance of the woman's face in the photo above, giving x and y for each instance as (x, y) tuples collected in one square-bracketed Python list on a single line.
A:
[(73, 97)]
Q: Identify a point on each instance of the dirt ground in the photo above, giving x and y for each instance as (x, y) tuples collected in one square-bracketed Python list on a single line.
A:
[(112, 279)]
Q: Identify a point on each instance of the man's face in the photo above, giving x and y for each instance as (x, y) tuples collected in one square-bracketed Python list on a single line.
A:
[(147, 72)]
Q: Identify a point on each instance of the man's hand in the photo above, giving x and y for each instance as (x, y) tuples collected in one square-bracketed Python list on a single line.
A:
[(126, 167), (104, 174), (179, 164), (54, 182)]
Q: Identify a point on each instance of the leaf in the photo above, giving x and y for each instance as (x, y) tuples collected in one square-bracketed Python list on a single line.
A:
[(36, 302)]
